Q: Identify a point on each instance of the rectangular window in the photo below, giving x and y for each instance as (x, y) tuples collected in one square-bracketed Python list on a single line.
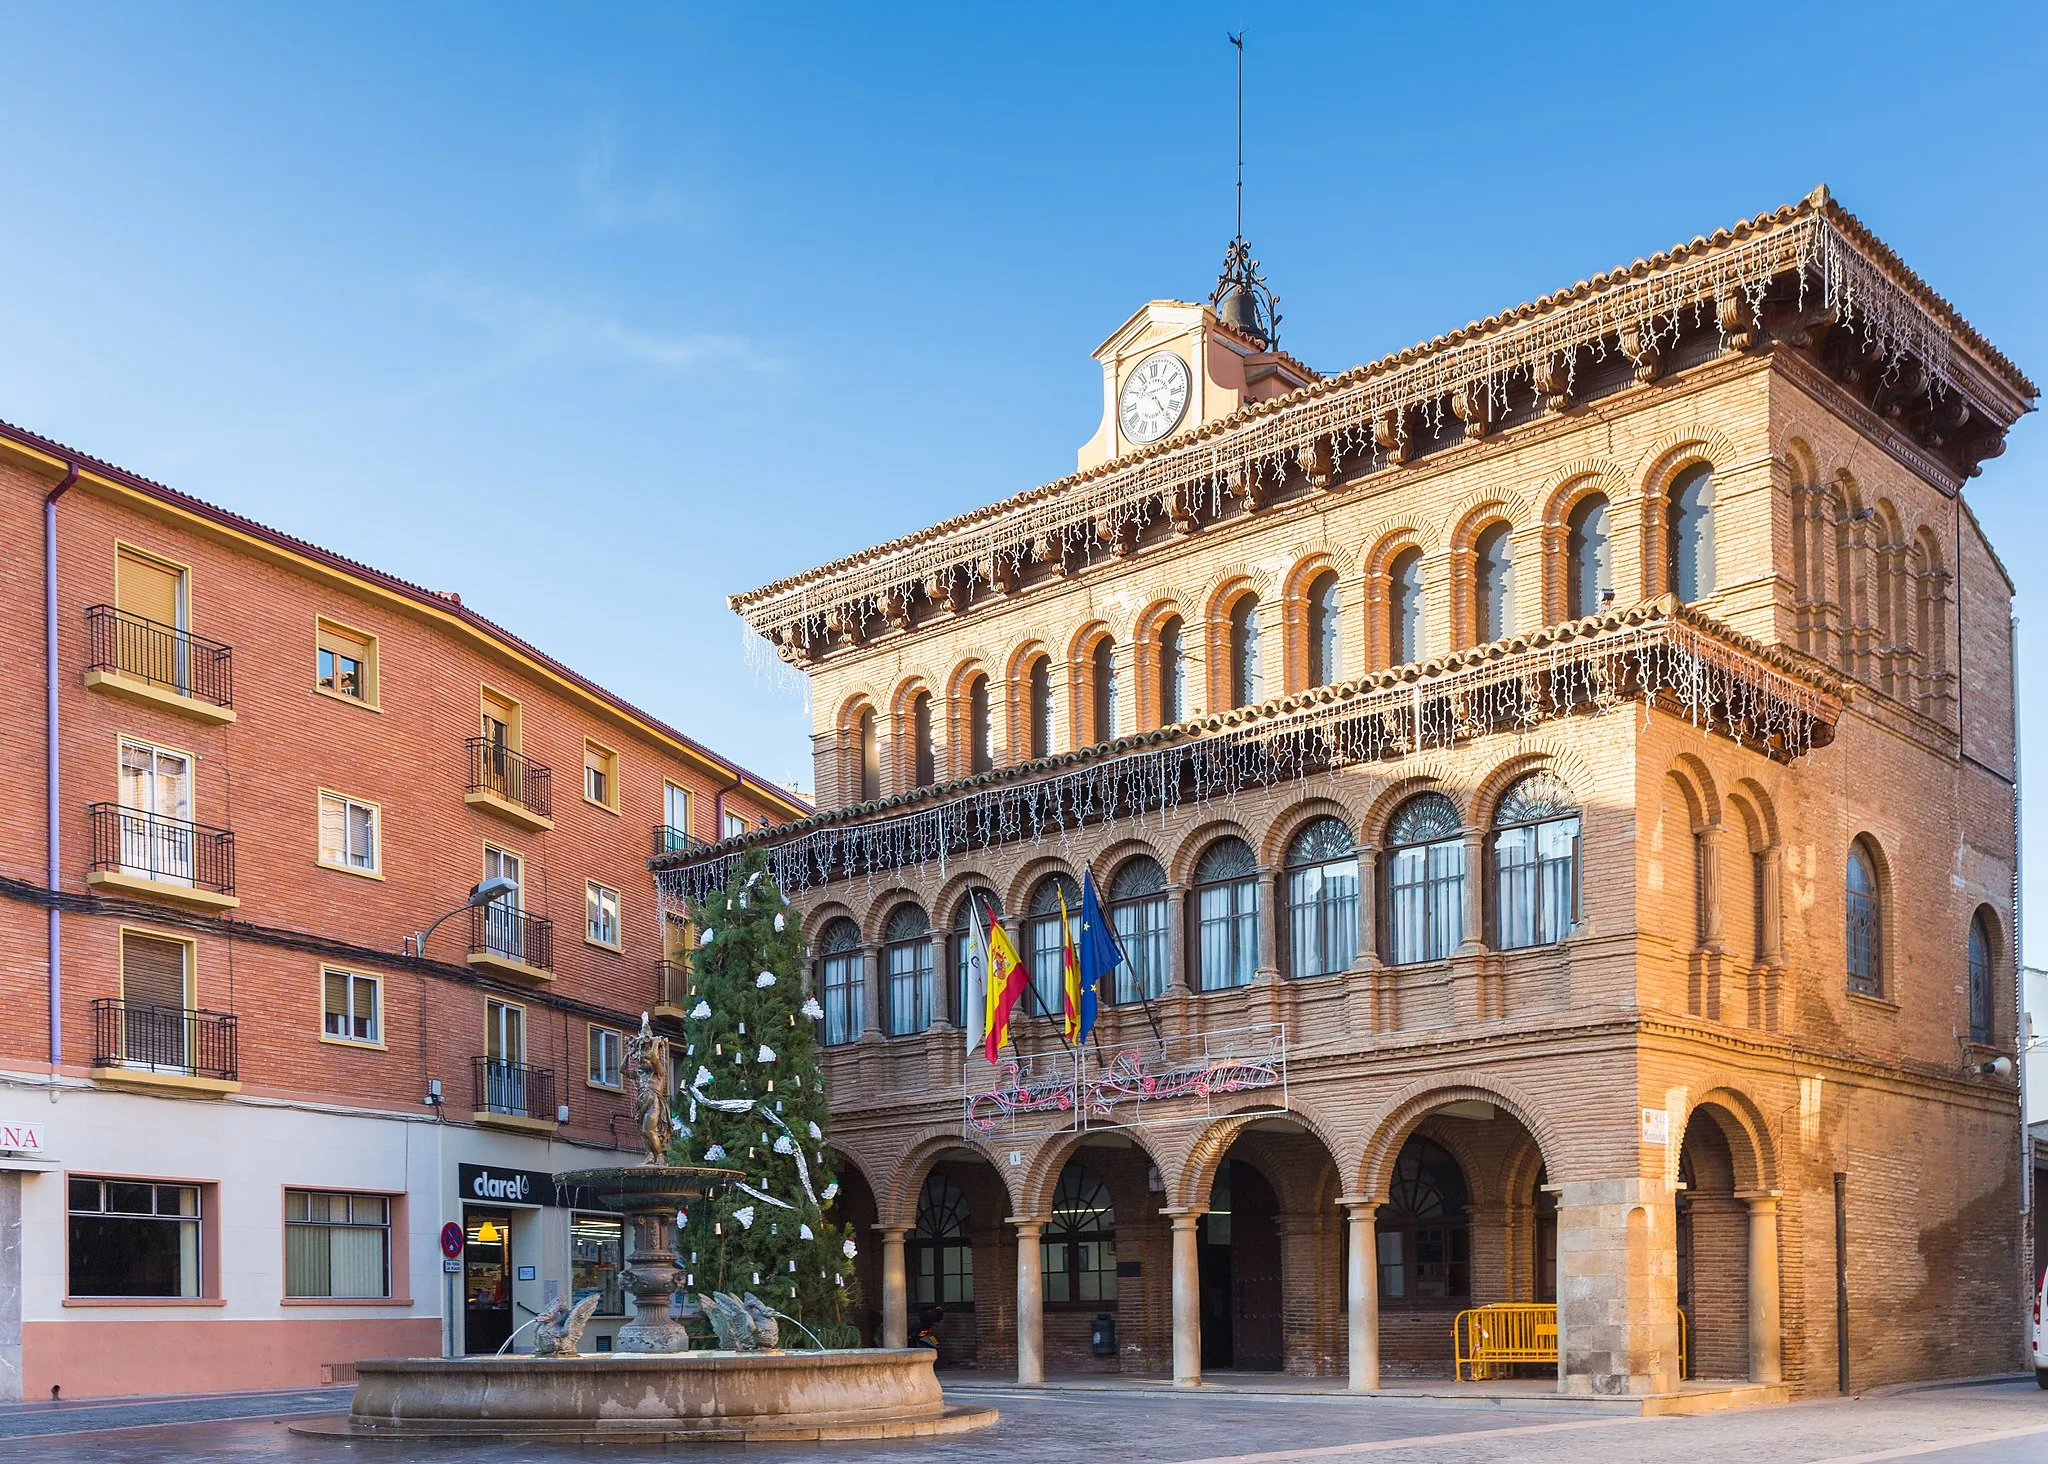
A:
[(735, 825), (601, 776), (607, 1051), (156, 994), (345, 662), (348, 833), (151, 588), (336, 1245), (500, 721), (133, 1238), (601, 912), (351, 1009), (675, 819), (597, 1247)]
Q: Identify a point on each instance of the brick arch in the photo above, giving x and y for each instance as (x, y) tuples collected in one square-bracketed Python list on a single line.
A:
[(1390, 542), (954, 890), (1042, 1170), (1677, 450), (1742, 1123), (1081, 643), (1434, 776), (843, 1157), (1018, 896), (1751, 794), (1704, 781), (883, 905), (1298, 815), (1574, 481), (1407, 1109), (1460, 524), (1557, 757), (823, 915), (1191, 1185), (898, 1206), (1695, 801), (1795, 450), (1180, 861)]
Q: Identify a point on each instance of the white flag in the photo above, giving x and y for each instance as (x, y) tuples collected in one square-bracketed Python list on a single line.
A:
[(974, 998)]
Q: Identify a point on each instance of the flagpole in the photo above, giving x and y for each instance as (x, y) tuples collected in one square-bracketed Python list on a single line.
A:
[(1151, 1017)]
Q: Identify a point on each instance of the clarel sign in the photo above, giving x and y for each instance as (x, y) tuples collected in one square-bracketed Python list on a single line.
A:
[(505, 1186)]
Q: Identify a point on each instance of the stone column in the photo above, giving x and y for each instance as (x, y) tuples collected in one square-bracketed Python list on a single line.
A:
[(1030, 1305), (1617, 1291), (895, 1293), (1710, 887), (1362, 1291), (1766, 1364), (871, 993), (943, 1016), (1475, 892), (1187, 1298), (1177, 973), (1772, 936), (1368, 904), (1268, 967)]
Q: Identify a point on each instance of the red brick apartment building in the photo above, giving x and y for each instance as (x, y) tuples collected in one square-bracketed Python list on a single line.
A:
[(238, 1099)]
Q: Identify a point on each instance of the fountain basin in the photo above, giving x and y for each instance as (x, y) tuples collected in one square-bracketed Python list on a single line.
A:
[(704, 1397)]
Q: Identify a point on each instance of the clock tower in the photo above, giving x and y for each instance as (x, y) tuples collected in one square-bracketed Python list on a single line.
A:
[(1175, 365)]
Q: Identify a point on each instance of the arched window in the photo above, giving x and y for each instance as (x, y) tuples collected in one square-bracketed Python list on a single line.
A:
[(1493, 585), (1689, 553), (1863, 919), (1102, 660), (1322, 899), (1981, 1008), (923, 773), (1226, 915), (938, 1253), (870, 757), (978, 909), (1043, 946), (1038, 707), (981, 755), (1137, 912), (907, 963), (1325, 616), (1173, 671), (1079, 1247), (1404, 609), (1535, 863), (839, 978), (1425, 881), (1246, 682), (1425, 1232), (1589, 566)]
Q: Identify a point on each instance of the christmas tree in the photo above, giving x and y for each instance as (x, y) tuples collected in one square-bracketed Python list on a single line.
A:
[(751, 1097)]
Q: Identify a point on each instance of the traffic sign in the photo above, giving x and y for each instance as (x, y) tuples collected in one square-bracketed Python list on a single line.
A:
[(451, 1240)]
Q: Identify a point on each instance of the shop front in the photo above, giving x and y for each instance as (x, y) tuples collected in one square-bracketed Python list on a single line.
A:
[(525, 1241)]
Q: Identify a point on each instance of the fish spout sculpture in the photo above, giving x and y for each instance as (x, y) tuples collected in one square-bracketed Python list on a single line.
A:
[(741, 1325), (557, 1330)]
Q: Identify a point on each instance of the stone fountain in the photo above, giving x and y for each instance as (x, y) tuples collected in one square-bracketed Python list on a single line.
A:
[(652, 1388)]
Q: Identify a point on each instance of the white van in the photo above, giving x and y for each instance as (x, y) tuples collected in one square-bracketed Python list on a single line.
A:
[(2040, 1347)]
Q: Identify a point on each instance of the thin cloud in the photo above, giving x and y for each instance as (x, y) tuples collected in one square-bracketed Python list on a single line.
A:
[(531, 330), (610, 203)]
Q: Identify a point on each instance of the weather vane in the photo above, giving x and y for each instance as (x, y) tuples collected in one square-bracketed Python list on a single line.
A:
[(1242, 297)]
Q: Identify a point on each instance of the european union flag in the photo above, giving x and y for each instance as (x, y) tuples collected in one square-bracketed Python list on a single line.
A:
[(1100, 953)]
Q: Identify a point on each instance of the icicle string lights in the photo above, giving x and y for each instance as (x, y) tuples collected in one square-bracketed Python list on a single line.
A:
[(1643, 311), (1654, 653)]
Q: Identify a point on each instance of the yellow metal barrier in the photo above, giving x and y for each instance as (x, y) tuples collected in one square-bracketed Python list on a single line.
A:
[(1491, 1339)]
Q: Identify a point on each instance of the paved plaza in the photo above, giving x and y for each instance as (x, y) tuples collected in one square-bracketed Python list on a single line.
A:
[(1991, 1423)]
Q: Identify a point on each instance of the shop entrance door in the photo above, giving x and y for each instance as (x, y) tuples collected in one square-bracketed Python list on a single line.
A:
[(486, 1281)]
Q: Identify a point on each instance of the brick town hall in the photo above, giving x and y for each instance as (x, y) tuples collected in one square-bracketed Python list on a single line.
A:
[(1555, 790)]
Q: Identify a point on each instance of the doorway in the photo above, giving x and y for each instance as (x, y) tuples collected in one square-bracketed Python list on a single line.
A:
[(1239, 1242), (486, 1281)]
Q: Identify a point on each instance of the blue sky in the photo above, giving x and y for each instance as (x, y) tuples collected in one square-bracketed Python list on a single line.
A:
[(596, 314)]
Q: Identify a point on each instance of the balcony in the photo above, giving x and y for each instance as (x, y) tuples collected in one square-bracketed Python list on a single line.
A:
[(166, 858), (509, 784), (668, 839), (513, 1095), (139, 1044), (158, 665), (509, 942), (671, 989)]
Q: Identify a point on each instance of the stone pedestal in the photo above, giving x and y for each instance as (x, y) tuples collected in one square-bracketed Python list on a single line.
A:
[(650, 1195)]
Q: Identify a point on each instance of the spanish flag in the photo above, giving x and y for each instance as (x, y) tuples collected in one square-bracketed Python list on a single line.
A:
[(1070, 976), (1006, 979)]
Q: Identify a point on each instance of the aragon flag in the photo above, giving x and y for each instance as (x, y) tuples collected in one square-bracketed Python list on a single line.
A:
[(1006, 978), (1070, 978), (1100, 954)]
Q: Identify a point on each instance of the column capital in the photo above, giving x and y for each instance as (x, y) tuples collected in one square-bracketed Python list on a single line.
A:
[(1360, 1202), (892, 1232), (1760, 1199), (1183, 1216), (1025, 1222)]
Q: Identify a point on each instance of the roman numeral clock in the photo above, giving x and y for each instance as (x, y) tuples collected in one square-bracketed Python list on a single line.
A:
[(1154, 398)]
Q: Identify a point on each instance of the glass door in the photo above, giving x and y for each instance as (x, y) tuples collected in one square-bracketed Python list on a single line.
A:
[(504, 931), (505, 1057), (156, 817), (486, 1281)]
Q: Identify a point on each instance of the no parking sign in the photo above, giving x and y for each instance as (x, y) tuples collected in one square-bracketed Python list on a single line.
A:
[(451, 1240)]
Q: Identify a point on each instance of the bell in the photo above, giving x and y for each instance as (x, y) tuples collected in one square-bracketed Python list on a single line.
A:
[(1240, 311)]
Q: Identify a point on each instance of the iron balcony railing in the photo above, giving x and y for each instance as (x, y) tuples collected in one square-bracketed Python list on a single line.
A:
[(168, 850), (162, 655), (668, 839), (671, 983), (497, 929), (499, 771), (163, 1039), (514, 1088)]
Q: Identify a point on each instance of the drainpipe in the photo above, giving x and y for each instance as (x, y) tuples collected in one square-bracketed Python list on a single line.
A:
[(50, 765), (718, 807)]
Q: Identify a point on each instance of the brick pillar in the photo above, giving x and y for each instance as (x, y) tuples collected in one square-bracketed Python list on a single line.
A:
[(1617, 1294), (1362, 1292), (895, 1293), (1305, 1346), (1030, 1305)]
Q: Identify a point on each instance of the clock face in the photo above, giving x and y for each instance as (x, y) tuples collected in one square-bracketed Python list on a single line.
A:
[(1154, 398)]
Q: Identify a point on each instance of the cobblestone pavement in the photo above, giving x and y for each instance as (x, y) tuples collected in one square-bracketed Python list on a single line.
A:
[(2000, 1423)]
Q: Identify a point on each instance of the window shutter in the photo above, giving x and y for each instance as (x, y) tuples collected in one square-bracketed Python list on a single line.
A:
[(362, 834), (152, 970)]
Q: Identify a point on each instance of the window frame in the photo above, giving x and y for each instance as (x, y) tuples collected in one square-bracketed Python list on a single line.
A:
[(375, 868), (377, 1041), (1322, 909), (607, 769), (1147, 946), (1409, 1226), (670, 845), (1866, 908), (1535, 866), (1323, 619), (594, 892), (1434, 949), (1702, 551), (1407, 608), (1577, 544), (1046, 925), (614, 1049), (576, 1293), (918, 973), (390, 1227), (847, 995), (1071, 1241), (347, 637), (1245, 656), (1240, 923), (203, 1284), (951, 1252)]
